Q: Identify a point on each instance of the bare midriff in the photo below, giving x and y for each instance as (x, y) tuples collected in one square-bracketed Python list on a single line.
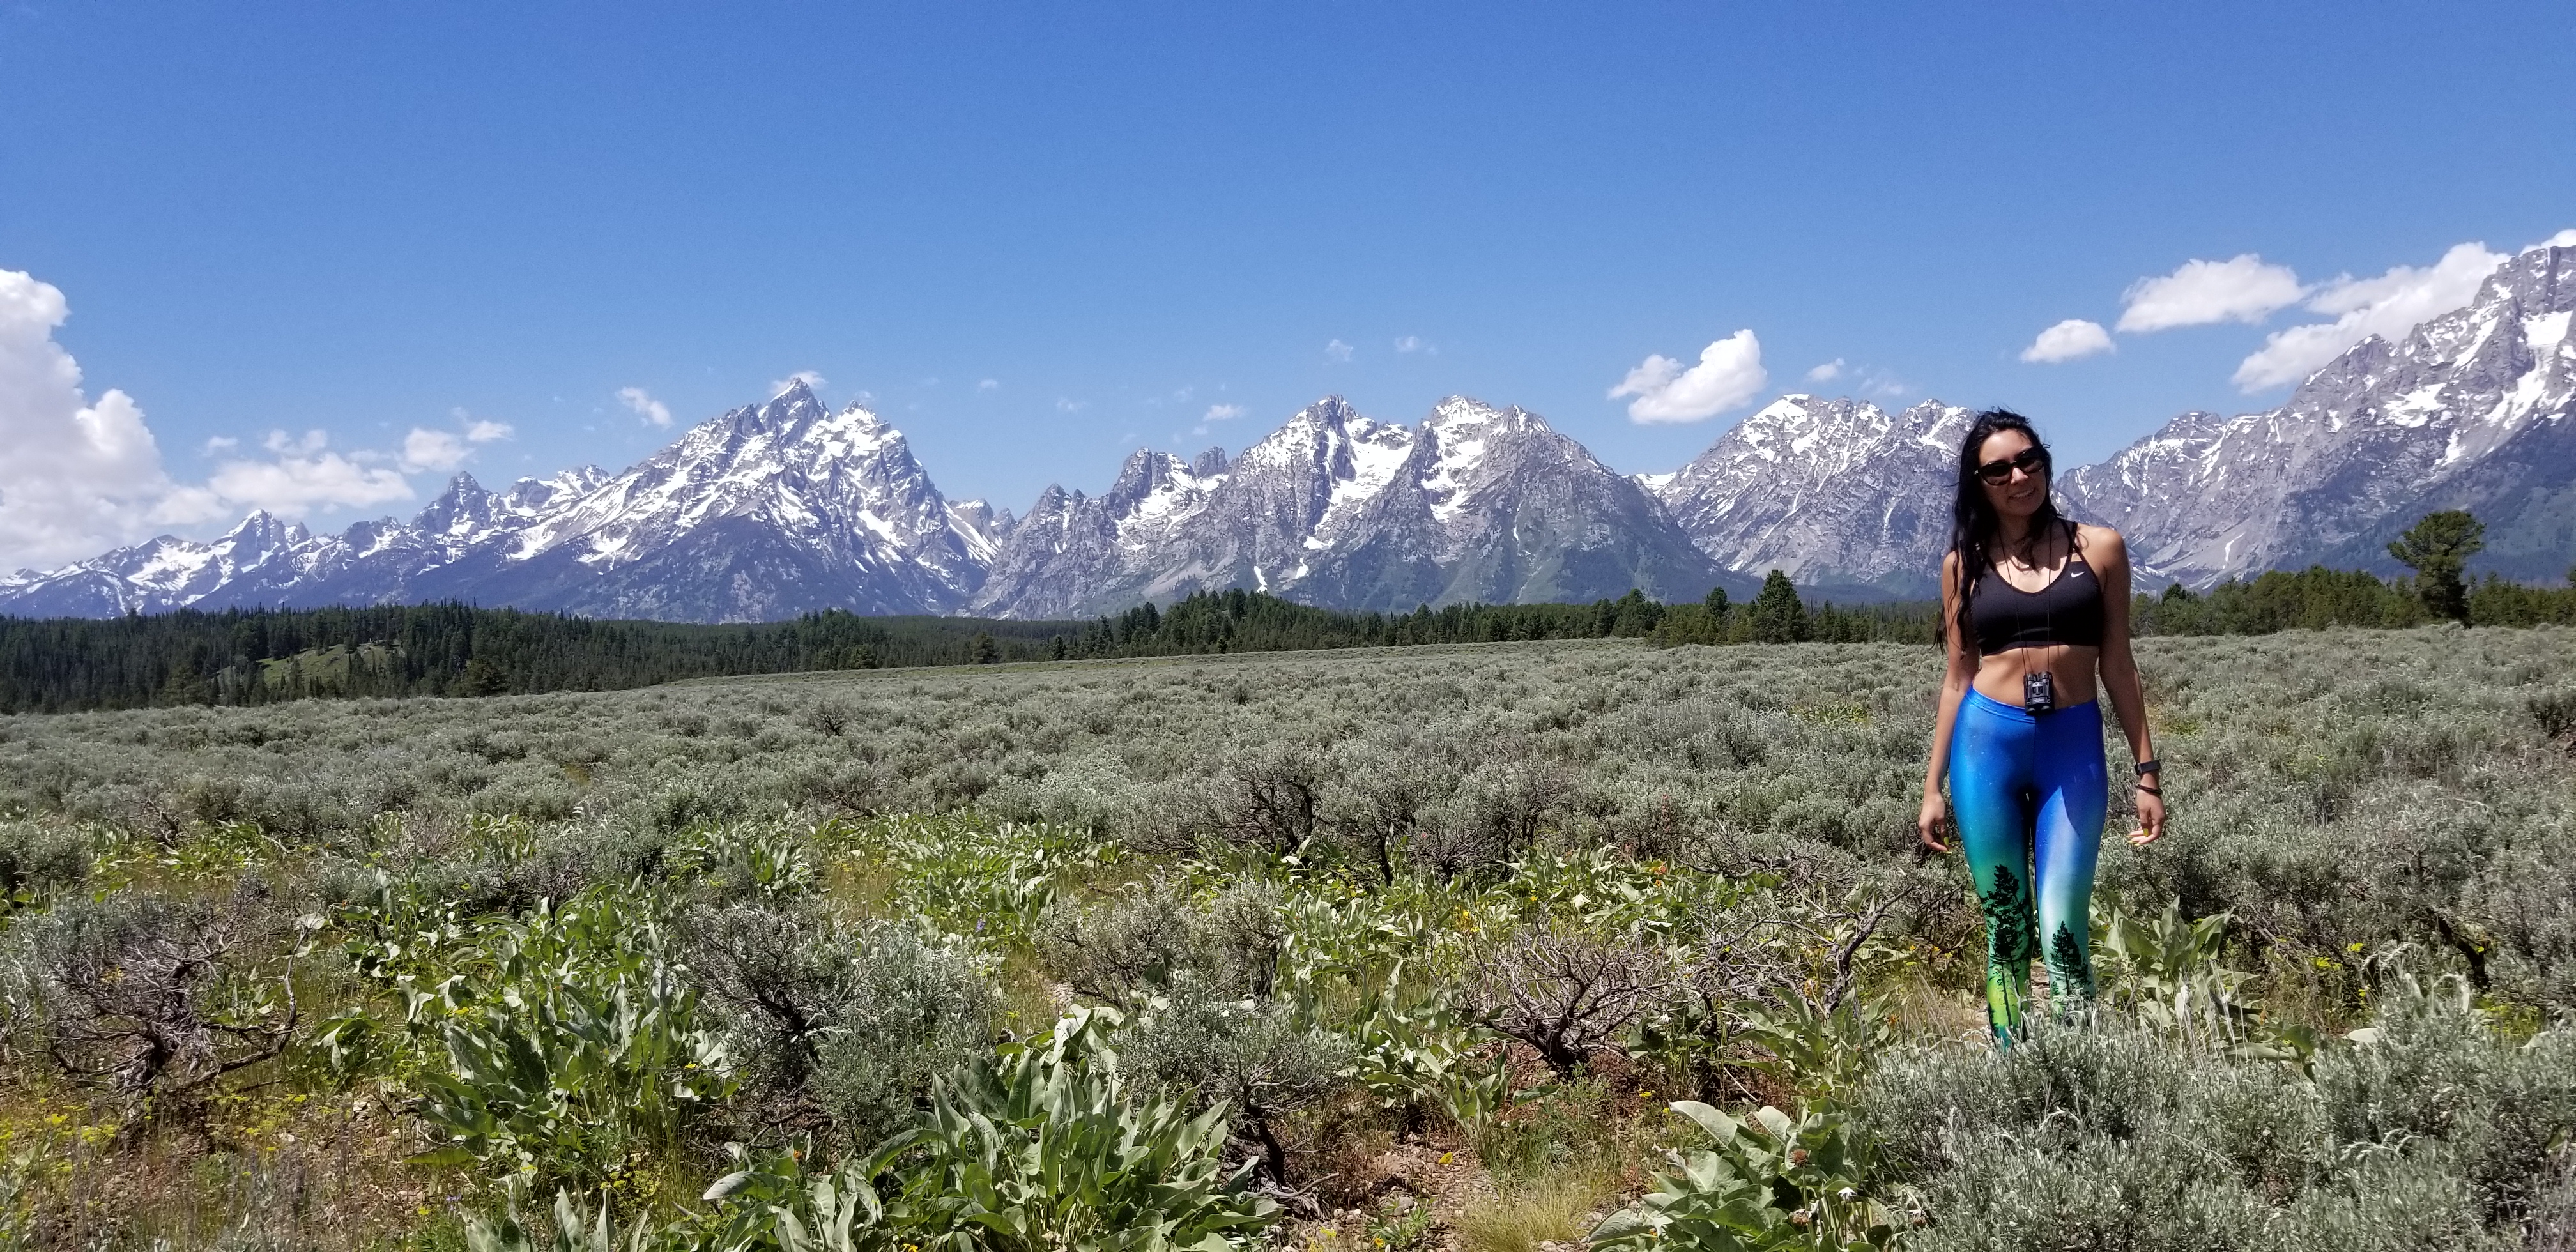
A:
[(1999, 677)]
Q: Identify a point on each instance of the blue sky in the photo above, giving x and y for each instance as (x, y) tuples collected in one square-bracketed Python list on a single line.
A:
[(451, 219)]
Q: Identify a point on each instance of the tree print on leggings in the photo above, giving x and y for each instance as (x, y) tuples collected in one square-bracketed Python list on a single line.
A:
[(2070, 970), (2012, 938)]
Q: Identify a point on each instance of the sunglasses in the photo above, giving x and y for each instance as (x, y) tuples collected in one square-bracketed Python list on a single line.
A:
[(2030, 461)]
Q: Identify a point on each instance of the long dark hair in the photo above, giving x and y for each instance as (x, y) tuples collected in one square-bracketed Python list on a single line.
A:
[(1974, 524)]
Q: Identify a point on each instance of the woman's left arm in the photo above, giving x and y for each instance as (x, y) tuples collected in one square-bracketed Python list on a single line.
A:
[(2120, 671)]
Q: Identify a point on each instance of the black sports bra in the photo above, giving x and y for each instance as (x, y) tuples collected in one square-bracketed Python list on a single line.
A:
[(2068, 610)]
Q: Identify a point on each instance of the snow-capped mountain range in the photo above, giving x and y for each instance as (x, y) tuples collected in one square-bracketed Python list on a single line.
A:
[(785, 507), (1834, 492), (2470, 410), (1476, 503)]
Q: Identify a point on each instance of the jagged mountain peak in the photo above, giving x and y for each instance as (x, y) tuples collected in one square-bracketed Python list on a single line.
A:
[(262, 531), (1938, 425), (1311, 435), (1462, 410), (530, 495), (981, 527), (465, 505), (793, 423), (1833, 491), (1147, 473), (1798, 424)]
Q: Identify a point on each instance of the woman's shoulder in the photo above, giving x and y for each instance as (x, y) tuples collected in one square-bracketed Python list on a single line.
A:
[(2100, 543)]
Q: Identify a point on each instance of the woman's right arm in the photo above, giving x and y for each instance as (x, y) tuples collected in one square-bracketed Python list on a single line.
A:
[(1958, 674)]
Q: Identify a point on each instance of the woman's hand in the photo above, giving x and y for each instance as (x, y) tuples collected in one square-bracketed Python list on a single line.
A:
[(2151, 819), (1927, 824)]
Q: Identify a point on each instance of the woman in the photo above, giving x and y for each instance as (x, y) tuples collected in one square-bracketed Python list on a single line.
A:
[(2037, 609)]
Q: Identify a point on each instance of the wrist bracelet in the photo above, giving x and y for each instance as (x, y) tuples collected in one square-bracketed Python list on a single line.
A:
[(2151, 791)]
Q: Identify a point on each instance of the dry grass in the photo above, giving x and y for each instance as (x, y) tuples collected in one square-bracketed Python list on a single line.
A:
[(1939, 1012), (1555, 1207)]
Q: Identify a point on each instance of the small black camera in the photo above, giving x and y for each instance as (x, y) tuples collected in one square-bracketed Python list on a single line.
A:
[(2039, 692)]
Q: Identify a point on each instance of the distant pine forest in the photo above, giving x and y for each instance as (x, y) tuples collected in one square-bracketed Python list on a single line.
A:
[(259, 656)]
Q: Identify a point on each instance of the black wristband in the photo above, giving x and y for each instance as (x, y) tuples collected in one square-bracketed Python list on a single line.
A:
[(2151, 791), (2149, 766)]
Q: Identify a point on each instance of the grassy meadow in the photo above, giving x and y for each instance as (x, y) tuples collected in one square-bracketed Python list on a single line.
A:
[(1490, 947)]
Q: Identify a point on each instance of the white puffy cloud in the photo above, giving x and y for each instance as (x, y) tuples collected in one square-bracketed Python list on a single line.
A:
[(2387, 306), (1826, 372), (300, 483), (1729, 374), (2239, 289), (1224, 412), (989, 384), (1338, 350), (2068, 340), (78, 477), (643, 405), (284, 444), (1414, 343), (441, 450), (432, 450)]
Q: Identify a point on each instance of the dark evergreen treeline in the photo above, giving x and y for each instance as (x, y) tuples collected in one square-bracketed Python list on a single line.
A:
[(2309, 599), (254, 656), (1248, 621), (2318, 597), (1778, 615)]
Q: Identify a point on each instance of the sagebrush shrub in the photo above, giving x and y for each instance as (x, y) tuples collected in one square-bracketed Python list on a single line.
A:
[(1258, 1061), (916, 1011), (138, 995)]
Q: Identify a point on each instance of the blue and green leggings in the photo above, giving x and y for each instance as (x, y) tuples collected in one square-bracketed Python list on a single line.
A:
[(2028, 793)]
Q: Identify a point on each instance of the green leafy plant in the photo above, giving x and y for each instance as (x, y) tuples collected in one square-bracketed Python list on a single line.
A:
[(575, 1227), (1421, 1049), (1772, 1181), (2166, 972), (579, 1049), (1045, 1148), (1824, 1050), (776, 1202), (766, 862)]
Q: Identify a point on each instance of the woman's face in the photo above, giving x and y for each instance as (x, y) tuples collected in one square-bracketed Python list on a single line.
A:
[(2024, 488)]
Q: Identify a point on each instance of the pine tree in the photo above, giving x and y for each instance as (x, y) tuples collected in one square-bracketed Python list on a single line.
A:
[(1778, 615), (2438, 549), (481, 678)]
